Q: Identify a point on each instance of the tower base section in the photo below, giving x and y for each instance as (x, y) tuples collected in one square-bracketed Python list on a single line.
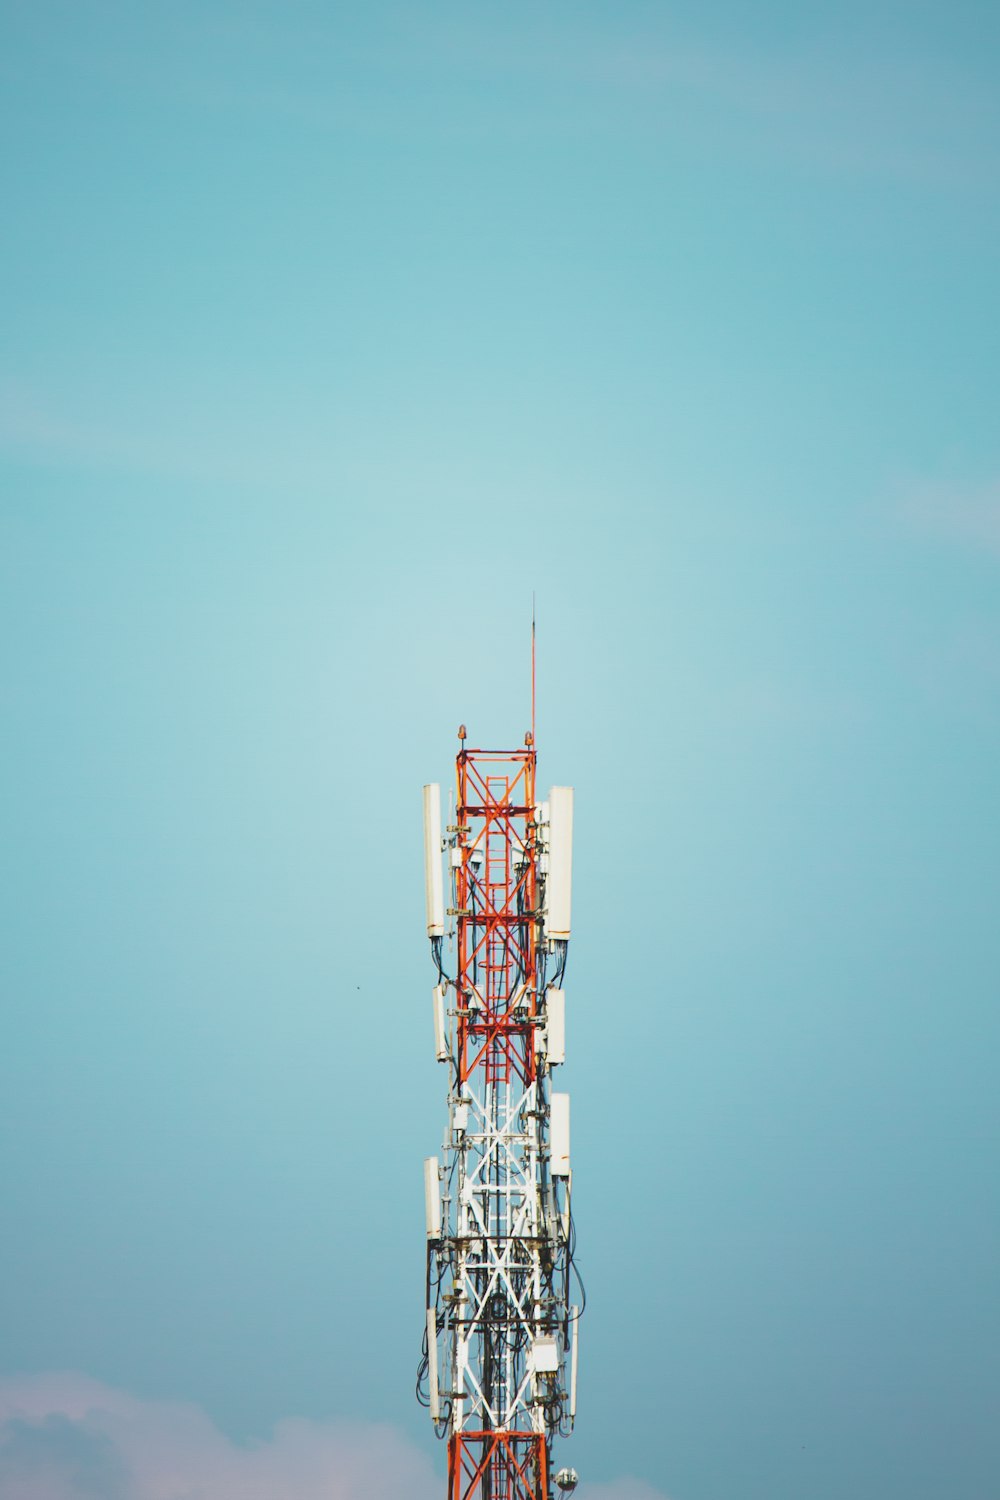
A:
[(498, 1465)]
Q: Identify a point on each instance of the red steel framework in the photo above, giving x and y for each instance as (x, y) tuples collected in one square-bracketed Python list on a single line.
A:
[(497, 934), (496, 906), (501, 1465)]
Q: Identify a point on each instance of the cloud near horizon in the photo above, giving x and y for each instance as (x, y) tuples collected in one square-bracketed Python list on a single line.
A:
[(67, 1437)]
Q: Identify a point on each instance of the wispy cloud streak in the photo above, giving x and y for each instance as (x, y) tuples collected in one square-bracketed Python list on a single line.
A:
[(969, 517)]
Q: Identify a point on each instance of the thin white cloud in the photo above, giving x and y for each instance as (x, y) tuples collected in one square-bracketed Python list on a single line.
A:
[(968, 518), (31, 425), (856, 108), (763, 702), (619, 1489), (47, 430), (65, 1437)]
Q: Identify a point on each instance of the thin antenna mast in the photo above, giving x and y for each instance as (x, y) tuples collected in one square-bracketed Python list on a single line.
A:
[(532, 668)]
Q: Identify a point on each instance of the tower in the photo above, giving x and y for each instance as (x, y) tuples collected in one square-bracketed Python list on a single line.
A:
[(498, 1372)]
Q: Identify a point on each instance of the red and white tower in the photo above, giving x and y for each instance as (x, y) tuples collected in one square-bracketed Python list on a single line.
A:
[(498, 1372)]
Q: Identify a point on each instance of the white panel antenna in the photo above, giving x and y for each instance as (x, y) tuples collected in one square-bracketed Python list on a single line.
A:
[(432, 1197), (559, 1135), (574, 1314), (440, 1035), (555, 1025), (432, 1366), (432, 860), (559, 887)]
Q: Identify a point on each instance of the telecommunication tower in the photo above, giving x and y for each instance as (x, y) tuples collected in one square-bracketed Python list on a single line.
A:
[(499, 1365)]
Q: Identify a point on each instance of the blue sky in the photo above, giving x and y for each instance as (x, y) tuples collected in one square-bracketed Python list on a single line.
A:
[(329, 335)]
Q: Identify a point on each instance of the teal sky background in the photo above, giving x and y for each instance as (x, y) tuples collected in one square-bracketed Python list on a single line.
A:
[(329, 335)]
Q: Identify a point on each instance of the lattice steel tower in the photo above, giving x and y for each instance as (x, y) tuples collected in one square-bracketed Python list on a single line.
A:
[(499, 1363)]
